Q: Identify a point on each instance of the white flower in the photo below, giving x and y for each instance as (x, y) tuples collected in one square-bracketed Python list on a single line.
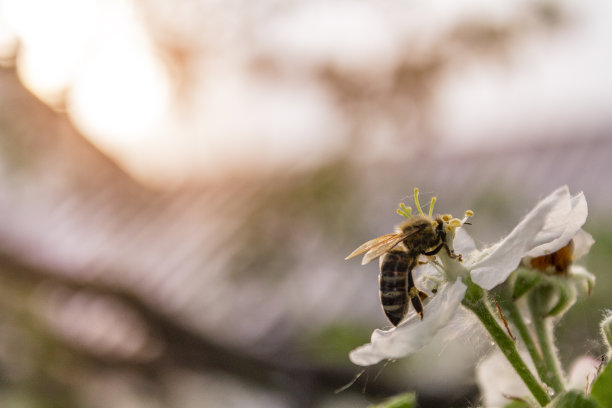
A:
[(414, 333), (498, 382), (546, 228)]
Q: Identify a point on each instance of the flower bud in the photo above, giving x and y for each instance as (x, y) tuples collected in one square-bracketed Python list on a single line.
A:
[(583, 280), (555, 278), (525, 280), (566, 298), (552, 298), (556, 263)]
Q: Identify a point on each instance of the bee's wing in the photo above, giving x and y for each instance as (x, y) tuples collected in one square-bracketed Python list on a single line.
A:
[(377, 246)]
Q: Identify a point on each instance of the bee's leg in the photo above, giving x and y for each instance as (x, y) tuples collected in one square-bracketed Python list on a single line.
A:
[(452, 253), (436, 249), (416, 296)]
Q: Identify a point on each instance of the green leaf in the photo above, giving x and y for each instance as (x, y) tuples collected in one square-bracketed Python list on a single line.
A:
[(573, 399), (407, 400), (602, 387)]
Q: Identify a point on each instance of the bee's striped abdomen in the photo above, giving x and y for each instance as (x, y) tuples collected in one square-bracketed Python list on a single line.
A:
[(395, 268)]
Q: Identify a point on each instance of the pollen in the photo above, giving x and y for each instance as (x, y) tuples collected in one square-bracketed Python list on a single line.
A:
[(447, 217), (455, 223), (469, 213)]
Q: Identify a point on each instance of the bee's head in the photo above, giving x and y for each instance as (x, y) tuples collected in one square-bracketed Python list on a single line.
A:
[(439, 225)]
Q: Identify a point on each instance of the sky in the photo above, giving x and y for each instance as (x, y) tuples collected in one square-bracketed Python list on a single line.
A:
[(556, 85), (216, 115)]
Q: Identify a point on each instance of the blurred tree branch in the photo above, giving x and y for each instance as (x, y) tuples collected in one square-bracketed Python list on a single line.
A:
[(186, 349)]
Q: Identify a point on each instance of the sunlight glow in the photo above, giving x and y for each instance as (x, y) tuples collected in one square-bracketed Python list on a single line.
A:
[(122, 92), (52, 41), (8, 37), (95, 58), (230, 100)]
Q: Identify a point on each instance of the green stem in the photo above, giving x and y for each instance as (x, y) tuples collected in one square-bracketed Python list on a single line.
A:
[(514, 315), (543, 330), (475, 300)]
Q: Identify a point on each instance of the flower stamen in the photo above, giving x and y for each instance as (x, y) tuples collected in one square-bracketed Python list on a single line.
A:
[(416, 200), (404, 211), (431, 205)]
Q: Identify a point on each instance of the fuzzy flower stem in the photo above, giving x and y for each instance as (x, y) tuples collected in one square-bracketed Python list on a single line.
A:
[(536, 356), (514, 315), (476, 301), (544, 332)]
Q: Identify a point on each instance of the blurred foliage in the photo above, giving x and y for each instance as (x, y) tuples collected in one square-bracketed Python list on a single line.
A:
[(601, 390), (399, 401), (517, 404), (573, 399), (578, 332), (332, 344), (295, 210)]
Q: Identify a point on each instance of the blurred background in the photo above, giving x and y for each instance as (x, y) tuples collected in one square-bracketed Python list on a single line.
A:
[(181, 181)]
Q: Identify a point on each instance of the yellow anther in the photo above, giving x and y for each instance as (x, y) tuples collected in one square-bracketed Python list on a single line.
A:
[(431, 205), (447, 217), (455, 223), (469, 213)]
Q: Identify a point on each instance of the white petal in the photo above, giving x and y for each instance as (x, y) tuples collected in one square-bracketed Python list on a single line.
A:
[(583, 370), (545, 223), (414, 333), (575, 219), (497, 380), (582, 243), (427, 277), (463, 242)]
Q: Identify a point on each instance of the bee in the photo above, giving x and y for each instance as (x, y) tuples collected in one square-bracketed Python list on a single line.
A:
[(399, 254)]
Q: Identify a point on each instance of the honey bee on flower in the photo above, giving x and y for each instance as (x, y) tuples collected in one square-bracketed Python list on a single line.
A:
[(399, 253), (547, 228)]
